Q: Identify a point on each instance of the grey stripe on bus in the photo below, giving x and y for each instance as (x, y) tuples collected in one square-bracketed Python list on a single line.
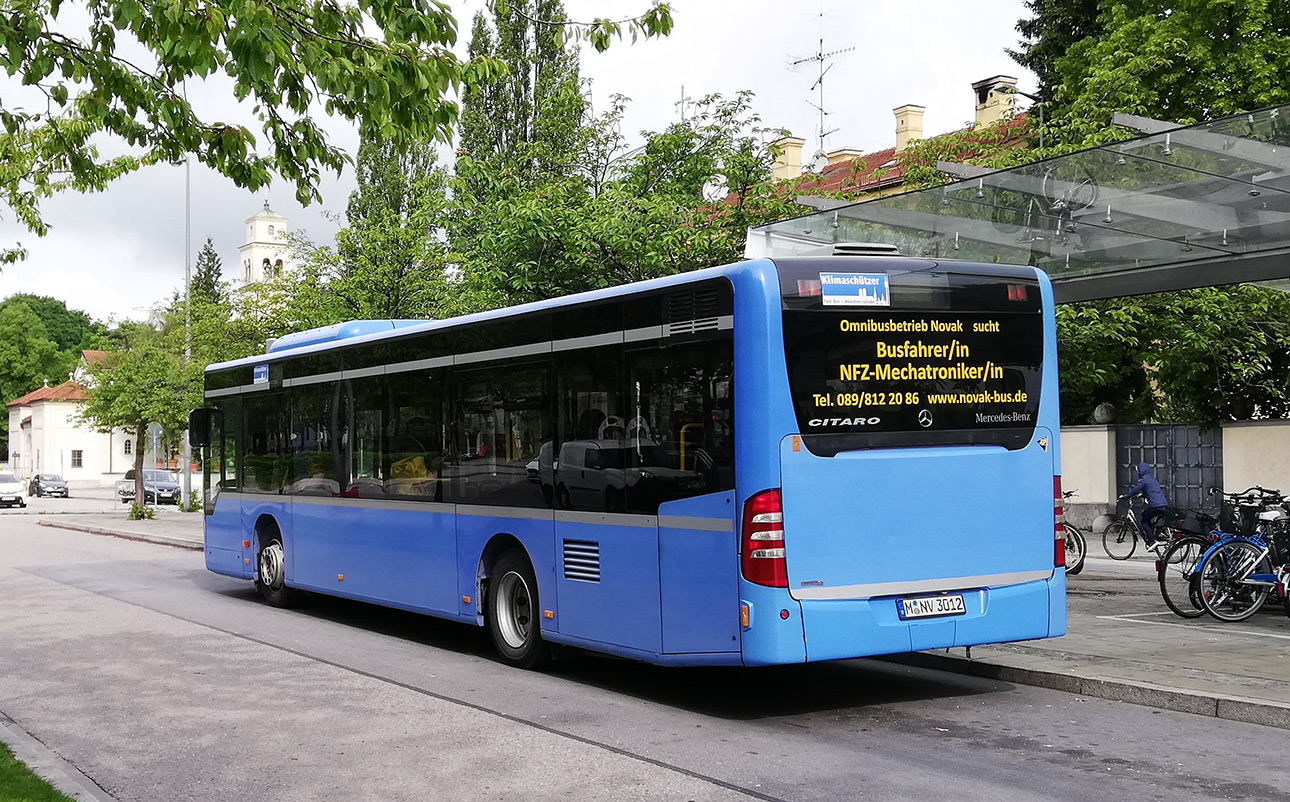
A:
[(590, 341), (503, 353), (700, 524), (317, 378), (419, 364), (606, 518), (646, 333), (362, 373), (245, 388), (918, 586), (374, 503), (495, 511)]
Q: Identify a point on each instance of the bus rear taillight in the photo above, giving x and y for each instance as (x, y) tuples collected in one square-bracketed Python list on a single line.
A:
[(1059, 525), (761, 548)]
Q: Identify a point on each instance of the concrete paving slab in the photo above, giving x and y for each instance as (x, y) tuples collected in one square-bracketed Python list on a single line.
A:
[(184, 530), (1124, 644)]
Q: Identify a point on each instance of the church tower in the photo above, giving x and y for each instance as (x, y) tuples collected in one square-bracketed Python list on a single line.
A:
[(266, 252)]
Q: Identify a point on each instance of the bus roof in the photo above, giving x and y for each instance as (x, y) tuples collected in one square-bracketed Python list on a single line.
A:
[(325, 338)]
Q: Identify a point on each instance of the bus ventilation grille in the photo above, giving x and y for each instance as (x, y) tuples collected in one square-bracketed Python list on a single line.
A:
[(582, 560), (691, 312)]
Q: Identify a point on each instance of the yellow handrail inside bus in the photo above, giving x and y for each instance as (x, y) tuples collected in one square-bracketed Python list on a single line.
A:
[(685, 429)]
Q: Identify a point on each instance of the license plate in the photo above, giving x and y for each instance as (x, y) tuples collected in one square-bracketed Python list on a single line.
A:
[(931, 606)]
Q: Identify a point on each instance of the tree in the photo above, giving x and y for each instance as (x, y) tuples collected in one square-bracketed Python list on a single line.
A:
[(389, 261), (385, 65), (515, 117), (682, 202), (142, 385), (28, 357), (1050, 33), (1183, 61), (208, 275)]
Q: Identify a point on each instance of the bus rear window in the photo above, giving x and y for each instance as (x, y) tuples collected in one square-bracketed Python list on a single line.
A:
[(964, 368)]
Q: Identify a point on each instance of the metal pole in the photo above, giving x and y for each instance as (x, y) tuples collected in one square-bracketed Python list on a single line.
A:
[(1040, 104), (188, 339)]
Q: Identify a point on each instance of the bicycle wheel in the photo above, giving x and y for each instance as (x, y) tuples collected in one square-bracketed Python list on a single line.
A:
[(1076, 550), (1177, 568), (1221, 574), (1119, 540)]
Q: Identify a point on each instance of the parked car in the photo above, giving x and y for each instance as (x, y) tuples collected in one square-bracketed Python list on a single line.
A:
[(47, 484), (11, 490), (159, 487)]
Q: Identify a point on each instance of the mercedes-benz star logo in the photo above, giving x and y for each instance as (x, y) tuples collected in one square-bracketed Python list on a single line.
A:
[(924, 418)]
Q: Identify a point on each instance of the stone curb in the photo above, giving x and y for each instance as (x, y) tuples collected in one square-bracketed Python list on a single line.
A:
[(51, 768), (164, 540), (1224, 706)]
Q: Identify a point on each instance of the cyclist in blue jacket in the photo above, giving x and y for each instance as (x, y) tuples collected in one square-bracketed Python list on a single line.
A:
[(1149, 488)]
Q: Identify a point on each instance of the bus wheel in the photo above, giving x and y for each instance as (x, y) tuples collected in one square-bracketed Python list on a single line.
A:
[(271, 576), (513, 617)]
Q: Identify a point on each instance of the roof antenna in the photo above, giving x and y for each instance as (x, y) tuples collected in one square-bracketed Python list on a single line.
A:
[(823, 60)]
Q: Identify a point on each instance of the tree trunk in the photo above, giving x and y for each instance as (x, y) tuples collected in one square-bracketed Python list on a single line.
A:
[(140, 440)]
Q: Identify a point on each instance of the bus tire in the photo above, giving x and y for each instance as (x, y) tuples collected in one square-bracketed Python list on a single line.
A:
[(512, 612), (271, 573)]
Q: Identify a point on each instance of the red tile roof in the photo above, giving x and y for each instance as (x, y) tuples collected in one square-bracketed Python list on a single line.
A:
[(865, 173), (882, 169), (67, 391), (92, 358)]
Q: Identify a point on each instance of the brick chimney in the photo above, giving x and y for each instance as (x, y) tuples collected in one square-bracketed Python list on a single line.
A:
[(788, 164), (995, 99), (909, 124)]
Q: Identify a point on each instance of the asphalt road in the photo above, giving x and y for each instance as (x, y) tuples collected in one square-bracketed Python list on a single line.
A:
[(164, 682)]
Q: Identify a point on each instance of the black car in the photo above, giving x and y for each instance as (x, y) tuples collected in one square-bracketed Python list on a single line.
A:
[(47, 484)]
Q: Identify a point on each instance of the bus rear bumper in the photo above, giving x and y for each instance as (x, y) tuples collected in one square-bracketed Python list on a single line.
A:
[(845, 628)]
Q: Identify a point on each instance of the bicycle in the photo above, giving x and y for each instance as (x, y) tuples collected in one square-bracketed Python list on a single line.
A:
[(1120, 539), (1175, 571), (1235, 576), (1076, 543)]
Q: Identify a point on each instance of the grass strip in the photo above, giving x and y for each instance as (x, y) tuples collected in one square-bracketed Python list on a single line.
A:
[(20, 784)]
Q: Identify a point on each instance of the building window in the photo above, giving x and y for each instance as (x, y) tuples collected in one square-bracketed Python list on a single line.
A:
[(128, 446), (247, 271), (78, 458), (270, 231)]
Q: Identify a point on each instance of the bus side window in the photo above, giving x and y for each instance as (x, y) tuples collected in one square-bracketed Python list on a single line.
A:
[(503, 418), (369, 453), (265, 451), (414, 464), (680, 430), (589, 475)]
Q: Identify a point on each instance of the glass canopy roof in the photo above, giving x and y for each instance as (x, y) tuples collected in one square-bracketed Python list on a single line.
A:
[(1181, 207)]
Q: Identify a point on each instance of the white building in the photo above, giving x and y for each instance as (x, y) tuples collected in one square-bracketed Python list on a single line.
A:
[(46, 437), (266, 252)]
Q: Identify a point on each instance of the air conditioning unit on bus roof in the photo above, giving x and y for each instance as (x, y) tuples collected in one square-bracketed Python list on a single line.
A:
[(864, 249)]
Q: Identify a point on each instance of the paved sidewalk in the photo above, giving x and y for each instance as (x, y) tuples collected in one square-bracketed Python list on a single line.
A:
[(183, 529), (1122, 643)]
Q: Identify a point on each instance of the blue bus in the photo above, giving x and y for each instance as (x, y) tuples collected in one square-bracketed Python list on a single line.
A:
[(775, 461)]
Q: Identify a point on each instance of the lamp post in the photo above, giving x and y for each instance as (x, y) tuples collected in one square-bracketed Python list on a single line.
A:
[(188, 340)]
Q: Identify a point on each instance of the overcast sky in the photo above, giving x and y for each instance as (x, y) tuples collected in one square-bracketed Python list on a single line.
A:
[(117, 253)]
